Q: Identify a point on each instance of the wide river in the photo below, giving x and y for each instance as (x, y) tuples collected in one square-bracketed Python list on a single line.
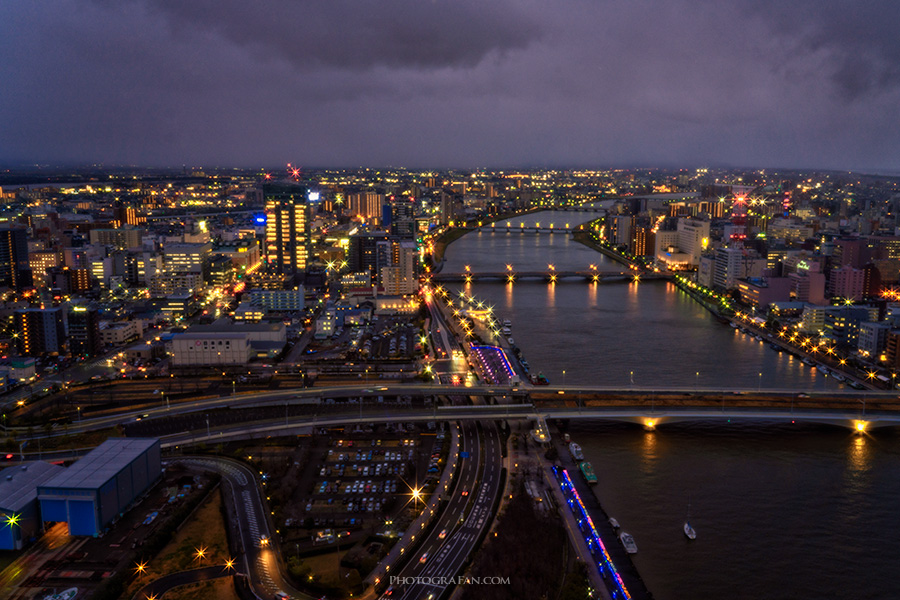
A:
[(781, 510)]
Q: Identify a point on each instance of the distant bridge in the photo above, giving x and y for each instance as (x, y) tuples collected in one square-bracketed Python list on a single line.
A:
[(550, 276)]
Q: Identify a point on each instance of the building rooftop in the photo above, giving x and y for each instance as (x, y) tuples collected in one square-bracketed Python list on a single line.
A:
[(18, 484), (101, 464)]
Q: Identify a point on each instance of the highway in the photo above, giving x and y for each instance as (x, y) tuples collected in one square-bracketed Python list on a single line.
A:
[(260, 559), (467, 514)]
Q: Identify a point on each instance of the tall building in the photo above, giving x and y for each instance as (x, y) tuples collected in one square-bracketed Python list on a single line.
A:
[(14, 268), (363, 253), (287, 227), (84, 331), (366, 205), (403, 218), (847, 282), (41, 331)]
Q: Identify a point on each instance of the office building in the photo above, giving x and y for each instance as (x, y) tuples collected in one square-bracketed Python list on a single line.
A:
[(41, 331), (15, 271), (84, 331), (287, 228)]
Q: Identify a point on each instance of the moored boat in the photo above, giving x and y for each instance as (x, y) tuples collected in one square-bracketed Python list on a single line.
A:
[(628, 541), (588, 472), (689, 531), (575, 451)]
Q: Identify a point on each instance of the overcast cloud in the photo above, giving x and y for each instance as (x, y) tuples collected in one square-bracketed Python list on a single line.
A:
[(439, 83)]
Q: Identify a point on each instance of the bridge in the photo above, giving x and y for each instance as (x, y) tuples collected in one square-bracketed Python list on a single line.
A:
[(638, 414), (549, 276), (361, 404)]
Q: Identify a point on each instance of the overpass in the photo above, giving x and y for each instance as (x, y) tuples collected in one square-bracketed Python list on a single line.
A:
[(649, 419), (612, 402)]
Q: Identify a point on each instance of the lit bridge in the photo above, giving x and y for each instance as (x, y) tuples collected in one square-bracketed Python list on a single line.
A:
[(649, 419), (362, 403), (549, 275)]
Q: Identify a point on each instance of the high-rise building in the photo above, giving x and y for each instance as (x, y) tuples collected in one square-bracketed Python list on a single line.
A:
[(14, 269), (84, 331), (403, 218), (847, 282), (287, 227), (363, 252), (41, 331), (366, 205)]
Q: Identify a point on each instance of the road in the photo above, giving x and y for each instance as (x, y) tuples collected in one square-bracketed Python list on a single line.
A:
[(466, 516), (259, 560)]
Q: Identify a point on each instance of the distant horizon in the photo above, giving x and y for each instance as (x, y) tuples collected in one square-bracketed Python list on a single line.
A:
[(12, 168), (812, 84)]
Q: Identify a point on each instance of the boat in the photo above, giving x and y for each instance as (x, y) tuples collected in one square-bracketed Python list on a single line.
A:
[(507, 323), (63, 595), (506, 331), (734, 325), (575, 451), (838, 376), (614, 523), (823, 370), (628, 542), (539, 379), (806, 361), (688, 530), (588, 471), (567, 438), (511, 341)]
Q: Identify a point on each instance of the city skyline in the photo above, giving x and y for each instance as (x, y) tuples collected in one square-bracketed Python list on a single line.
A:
[(810, 85)]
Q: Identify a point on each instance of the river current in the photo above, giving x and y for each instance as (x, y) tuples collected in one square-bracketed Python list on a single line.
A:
[(781, 510)]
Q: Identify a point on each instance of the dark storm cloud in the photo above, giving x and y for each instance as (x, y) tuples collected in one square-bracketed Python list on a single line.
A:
[(360, 34), (452, 83), (857, 41)]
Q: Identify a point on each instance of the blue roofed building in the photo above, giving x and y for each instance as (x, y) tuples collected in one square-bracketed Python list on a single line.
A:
[(20, 517), (99, 487)]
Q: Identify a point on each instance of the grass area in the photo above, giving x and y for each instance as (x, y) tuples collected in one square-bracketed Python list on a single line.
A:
[(7, 557), (326, 567), (206, 530), (526, 549), (217, 589)]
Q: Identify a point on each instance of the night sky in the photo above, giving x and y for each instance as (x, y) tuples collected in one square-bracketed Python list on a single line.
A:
[(452, 83)]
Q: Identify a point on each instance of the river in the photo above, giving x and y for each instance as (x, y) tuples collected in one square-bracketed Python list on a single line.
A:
[(781, 510)]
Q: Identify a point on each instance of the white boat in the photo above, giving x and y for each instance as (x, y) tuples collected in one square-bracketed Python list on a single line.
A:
[(614, 523), (507, 323), (506, 331), (511, 341), (628, 542), (823, 370), (688, 530), (838, 376), (806, 361), (575, 450)]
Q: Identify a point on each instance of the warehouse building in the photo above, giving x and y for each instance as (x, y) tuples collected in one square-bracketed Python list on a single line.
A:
[(20, 518), (96, 489)]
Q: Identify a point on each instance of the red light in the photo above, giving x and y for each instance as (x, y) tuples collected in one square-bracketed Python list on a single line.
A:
[(9, 456)]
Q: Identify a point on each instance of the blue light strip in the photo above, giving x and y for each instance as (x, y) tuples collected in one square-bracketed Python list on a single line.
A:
[(592, 537)]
